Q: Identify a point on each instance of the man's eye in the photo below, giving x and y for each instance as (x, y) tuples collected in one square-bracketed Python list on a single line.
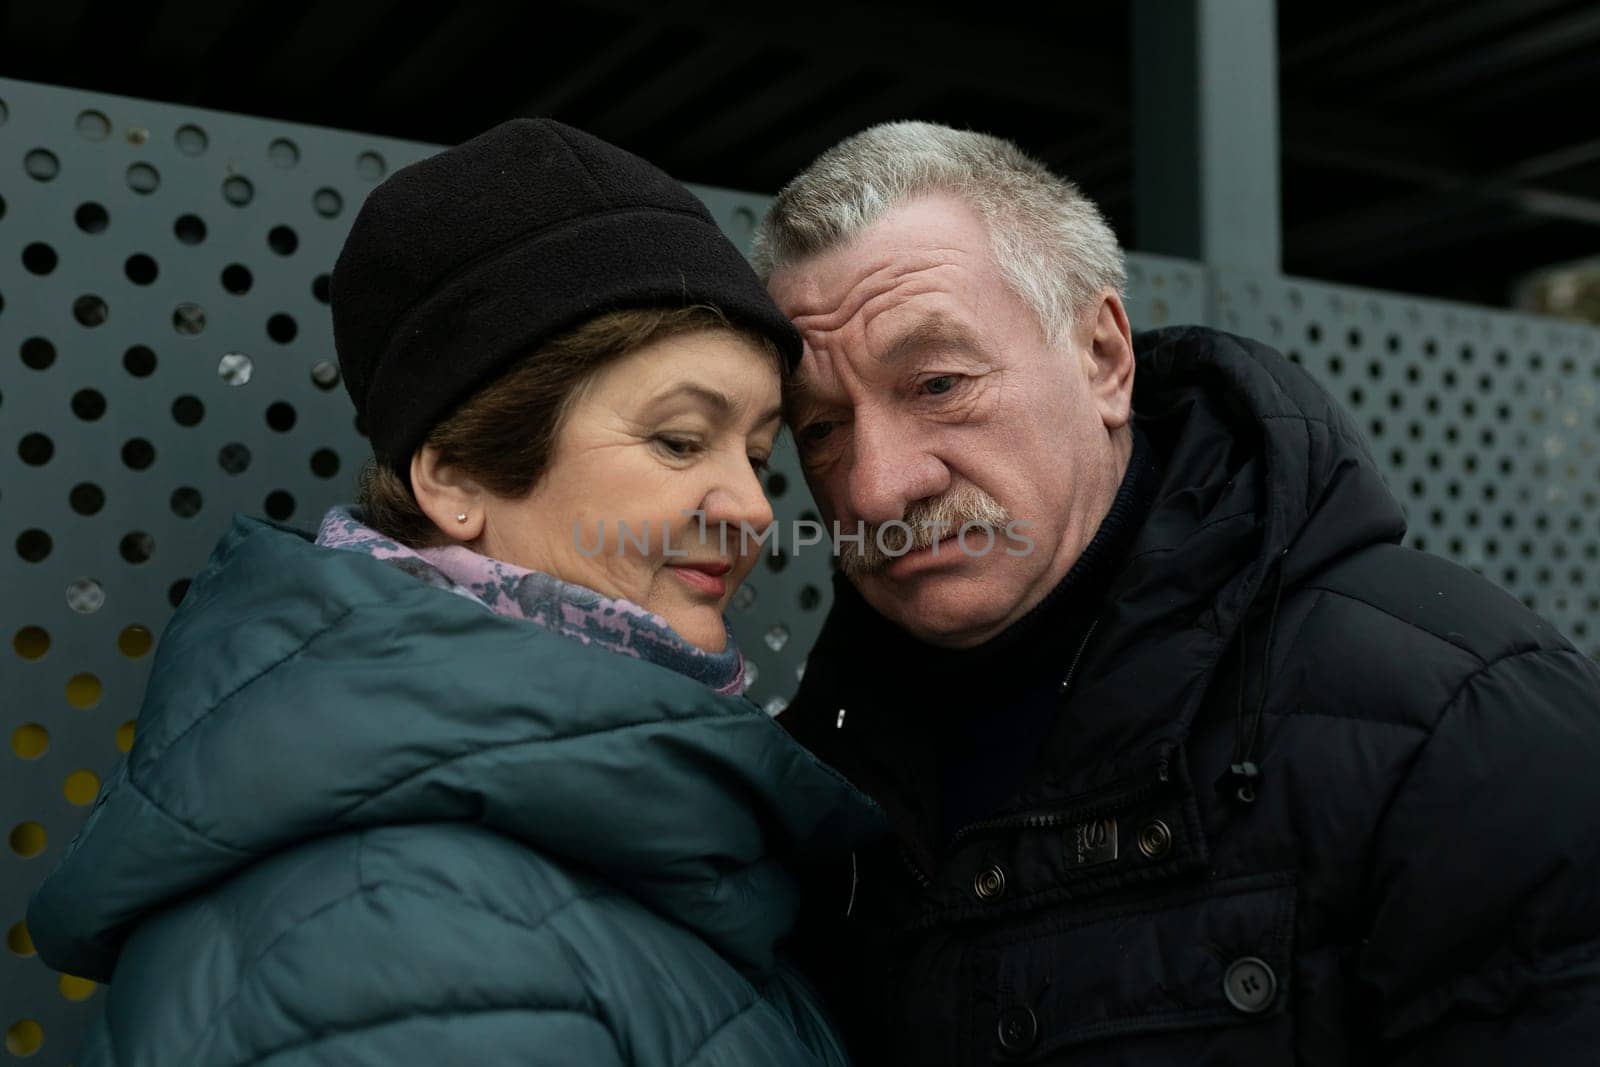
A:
[(815, 433), (942, 384)]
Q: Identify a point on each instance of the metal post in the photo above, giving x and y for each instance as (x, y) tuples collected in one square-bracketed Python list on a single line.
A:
[(1205, 131)]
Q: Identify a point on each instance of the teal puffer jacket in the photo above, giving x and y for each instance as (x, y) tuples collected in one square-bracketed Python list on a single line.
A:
[(367, 821)]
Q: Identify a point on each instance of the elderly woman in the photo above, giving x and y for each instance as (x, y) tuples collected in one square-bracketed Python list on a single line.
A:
[(468, 779)]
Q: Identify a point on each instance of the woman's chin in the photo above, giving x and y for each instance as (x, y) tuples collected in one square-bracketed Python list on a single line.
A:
[(702, 628)]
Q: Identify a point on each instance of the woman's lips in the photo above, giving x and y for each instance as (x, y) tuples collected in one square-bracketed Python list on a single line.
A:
[(704, 577)]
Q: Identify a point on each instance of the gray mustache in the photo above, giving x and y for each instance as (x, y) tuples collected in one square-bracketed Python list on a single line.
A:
[(930, 520)]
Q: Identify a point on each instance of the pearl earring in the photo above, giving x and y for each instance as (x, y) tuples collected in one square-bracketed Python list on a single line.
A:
[(462, 517)]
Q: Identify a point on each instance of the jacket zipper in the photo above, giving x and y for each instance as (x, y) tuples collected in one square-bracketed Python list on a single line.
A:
[(1066, 683)]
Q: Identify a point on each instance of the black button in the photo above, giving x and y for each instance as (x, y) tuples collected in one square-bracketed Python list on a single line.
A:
[(1250, 985), (1018, 1030), (990, 883)]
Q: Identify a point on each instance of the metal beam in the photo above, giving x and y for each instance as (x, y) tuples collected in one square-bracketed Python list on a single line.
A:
[(1205, 131), (1445, 195)]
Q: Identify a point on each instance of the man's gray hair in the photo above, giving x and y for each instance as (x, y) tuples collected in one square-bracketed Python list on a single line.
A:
[(1052, 245)]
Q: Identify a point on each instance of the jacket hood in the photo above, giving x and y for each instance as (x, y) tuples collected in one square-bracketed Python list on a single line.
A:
[(303, 691), (1263, 479)]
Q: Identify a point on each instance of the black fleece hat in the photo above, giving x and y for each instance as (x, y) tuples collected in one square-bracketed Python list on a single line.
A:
[(462, 263)]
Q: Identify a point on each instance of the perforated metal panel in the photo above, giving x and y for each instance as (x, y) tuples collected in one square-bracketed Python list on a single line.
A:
[(166, 360), (1485, 424)]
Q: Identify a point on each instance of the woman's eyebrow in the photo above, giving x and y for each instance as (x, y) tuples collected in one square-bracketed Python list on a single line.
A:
[(716, 399)]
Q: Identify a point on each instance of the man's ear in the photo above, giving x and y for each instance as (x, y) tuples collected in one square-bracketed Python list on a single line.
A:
[(1109, 347), (453, 501)]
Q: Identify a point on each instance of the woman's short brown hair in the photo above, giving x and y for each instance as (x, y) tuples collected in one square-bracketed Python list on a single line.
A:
[(504, 436)]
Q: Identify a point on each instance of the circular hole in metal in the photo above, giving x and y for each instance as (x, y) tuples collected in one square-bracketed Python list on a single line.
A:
[(283, 240), (139, 361), (137, 547), (92, 217), (38, 353), (138, 454), (191, 140), (140, 269), (236, 278), (810, 598), (29, 741), (90, 310), (41, 165), (327, 202), (175, 594), (143, 179), (88, 404), (84, 691), (325, 374), (238, 191), (35, 449), (324, 463), (234, 458), (777, 482), (283, 153), (186, 502), (279, 505), (189, 319), (370, 165), (189, 229), (187, 410), (86, 596), (86, 498), (281, 328), (39, 258), (319, 288), (80, 788), (235, 368), (33, 545), (138, 135), (281, 416), (93, 125)]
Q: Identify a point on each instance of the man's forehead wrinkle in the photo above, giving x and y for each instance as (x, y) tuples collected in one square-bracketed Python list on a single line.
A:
[(854, 287)]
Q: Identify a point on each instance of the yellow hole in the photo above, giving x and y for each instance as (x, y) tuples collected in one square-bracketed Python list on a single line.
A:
[(24, 1038), (31, 642), (27, 839), (18, 939), (81, 787), (83, 691), (135, 641), (125, 736), (75, 988), (30, 740)]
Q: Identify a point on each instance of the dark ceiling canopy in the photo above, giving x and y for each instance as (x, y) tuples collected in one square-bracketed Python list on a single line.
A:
[(1431, 146)]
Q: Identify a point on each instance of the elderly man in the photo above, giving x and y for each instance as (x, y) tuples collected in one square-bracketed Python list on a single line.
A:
[(1210, 770)]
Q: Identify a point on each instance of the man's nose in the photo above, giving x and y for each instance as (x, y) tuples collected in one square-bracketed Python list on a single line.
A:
[(890, 468)]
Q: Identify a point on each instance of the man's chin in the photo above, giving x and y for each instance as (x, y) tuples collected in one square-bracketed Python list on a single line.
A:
[(943, 610)]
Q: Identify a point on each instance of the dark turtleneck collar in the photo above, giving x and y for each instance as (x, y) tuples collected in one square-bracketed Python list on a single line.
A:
[(990, 707)]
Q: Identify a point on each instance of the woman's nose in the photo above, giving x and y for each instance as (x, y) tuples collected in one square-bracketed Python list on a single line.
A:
[(739, 501)]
